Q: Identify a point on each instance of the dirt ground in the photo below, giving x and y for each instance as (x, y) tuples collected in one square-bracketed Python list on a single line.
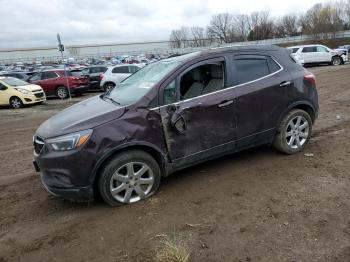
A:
[(258, 205)]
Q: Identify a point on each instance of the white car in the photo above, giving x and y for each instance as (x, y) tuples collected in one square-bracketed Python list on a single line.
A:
[(116, 74), (317, 54)]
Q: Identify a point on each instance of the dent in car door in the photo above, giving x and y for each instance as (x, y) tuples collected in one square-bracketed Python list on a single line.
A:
[(199, 127), (260, 101)]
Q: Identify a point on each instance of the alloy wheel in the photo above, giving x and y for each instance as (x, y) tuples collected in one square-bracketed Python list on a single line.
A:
[(132, 182), (62, 92), (16, 102), (297, 132), (336, 61)]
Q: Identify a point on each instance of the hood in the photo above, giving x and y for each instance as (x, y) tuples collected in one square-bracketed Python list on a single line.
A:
[(31, 87), (84, 115)]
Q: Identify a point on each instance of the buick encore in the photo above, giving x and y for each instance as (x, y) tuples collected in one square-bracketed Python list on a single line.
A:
[(173, 114)]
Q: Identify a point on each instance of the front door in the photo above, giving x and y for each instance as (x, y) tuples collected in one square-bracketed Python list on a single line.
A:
[(198, 113)]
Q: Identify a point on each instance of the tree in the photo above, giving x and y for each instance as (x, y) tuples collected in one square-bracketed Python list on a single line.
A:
[(221, 27), (179, 38), (261, 26), (197, 36)]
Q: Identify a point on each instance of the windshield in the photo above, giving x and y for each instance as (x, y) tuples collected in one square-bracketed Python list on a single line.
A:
[(14, 81), (138, 84)]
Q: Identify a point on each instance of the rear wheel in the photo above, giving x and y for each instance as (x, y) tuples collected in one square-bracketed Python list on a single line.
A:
[(336, 60), (16, 102), (62, 92), (294, 132), (129, 177), (108, 86)]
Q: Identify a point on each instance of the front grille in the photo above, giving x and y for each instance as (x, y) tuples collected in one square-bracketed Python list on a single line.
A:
[(39, 94), (38, 144)]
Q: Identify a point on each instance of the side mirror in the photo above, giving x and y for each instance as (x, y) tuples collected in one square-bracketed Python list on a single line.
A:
[(178, 123)]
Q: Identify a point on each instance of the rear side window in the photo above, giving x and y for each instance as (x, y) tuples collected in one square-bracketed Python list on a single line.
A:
[(309, 49), (250, 69), (133, 69), (120, 70)]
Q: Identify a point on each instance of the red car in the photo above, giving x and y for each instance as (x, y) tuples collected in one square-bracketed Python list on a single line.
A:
[(54, 82)]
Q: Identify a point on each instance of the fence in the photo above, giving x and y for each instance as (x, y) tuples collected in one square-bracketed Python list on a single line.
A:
[(161, 47)]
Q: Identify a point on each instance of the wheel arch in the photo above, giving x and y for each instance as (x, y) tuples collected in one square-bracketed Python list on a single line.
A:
[(13, 96), (155, 152), (303, 105)]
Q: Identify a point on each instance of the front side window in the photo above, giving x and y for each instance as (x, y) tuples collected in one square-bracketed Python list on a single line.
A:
[(322, 49), (202, 80), (2, 87), (137, 85), (133, 69), (48, 75), (294, 50), (250, 69), (170, 93), (36, 77)]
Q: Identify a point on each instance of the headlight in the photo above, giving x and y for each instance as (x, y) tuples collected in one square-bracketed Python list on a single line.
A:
[(71, 141), (23, 91)]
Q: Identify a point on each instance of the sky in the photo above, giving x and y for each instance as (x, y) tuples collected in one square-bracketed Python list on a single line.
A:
[(35, 23)]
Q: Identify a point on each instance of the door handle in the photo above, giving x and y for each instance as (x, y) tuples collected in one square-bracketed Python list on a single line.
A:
[(225, 103), (285, 83)]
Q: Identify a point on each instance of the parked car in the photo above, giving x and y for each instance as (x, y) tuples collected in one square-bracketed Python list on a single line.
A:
[(173, 114), (347, 47), (54, 82), (94, 74), (317, 54), (20, 75), (16, 93), (116, 74)]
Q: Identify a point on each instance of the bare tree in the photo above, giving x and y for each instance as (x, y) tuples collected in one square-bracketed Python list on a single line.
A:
[(179, 38), (197, 36), (241, 25), (290, 24), (261, 26), (221, 27)]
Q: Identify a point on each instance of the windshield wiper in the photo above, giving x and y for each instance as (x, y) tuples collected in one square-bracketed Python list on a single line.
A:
[(111, 99)]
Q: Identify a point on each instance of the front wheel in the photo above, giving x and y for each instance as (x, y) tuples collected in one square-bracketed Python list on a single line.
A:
[(16, 102), (129, 177), (336, 60), (294, 132)]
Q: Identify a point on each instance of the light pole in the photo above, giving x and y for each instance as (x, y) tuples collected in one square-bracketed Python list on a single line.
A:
[(61, 49)]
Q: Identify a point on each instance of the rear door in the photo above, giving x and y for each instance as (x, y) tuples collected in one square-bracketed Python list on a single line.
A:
[(119, 73), (261, 95), (310, 54)]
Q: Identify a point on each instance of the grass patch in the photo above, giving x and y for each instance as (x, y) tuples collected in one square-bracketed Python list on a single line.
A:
[(173, 249)]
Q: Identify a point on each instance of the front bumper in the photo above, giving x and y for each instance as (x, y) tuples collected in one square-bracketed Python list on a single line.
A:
[(67, 174), (32, 99)]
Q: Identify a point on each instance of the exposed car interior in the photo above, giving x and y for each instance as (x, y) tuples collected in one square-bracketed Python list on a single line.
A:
[(202, 80)]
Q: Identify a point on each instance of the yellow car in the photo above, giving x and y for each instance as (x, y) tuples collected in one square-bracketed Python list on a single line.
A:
[(16, 92)]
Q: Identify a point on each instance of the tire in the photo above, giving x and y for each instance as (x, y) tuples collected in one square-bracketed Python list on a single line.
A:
[(291, 140), (336, 60), (16, 102), (108, 86), (62, 92), (119, 182)]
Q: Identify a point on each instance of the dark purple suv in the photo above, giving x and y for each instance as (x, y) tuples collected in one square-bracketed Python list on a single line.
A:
[(173, 114)]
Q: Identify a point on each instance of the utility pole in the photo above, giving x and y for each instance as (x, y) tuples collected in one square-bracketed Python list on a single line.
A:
[(61, 49)]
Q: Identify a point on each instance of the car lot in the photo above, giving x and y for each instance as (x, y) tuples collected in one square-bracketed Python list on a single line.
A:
[(257, 205)]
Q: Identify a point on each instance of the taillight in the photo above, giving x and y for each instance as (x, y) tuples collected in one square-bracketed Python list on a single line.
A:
[(310, 78)]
